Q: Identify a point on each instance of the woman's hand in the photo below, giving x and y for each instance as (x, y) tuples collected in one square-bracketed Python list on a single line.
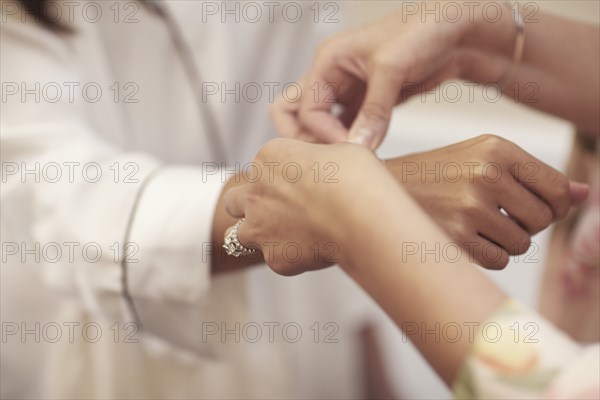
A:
[(358, 76), (465, 186), (306, 201), (367, 71), (302, 200)]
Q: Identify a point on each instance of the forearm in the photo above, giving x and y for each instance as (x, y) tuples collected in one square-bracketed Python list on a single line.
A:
[(560, 69), (413, 290), (221, 262)]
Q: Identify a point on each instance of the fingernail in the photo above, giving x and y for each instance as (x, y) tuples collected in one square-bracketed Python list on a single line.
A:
[(362, 136)]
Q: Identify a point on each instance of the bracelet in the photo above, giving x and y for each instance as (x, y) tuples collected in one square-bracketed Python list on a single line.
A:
[(519, 47)]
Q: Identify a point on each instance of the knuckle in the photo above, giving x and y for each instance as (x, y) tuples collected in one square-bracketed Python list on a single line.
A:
[(491, 138), (471, 209), (543, 220), (383, 61), (522, 243), (492, 143), (498, 261), (388, 62)]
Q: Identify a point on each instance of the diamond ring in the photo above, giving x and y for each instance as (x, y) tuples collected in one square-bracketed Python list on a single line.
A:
[(232, 244)]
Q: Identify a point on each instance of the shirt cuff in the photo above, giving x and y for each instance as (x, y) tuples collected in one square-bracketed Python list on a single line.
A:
[(170, 243)]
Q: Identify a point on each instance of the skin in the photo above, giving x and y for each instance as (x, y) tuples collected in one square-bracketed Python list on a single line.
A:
[(494, 173), (407, 286), (369, 70), (477, 179), (369, 67)]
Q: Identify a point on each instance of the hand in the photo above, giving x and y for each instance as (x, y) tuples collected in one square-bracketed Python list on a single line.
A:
[(465, 186), (367, 71), (301, 200)]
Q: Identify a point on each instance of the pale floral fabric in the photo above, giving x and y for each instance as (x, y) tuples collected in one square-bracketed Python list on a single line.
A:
[(519, 355)]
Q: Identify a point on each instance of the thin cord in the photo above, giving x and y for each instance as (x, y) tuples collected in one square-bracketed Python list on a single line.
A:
[(216, 143), (193, 73)]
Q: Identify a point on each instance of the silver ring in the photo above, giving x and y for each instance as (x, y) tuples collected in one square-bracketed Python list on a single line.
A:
[(232, 244)]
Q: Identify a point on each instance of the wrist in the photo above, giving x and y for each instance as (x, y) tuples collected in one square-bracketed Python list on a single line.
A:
[(365, 220), (493, 28), (488, 40), (347, 206)]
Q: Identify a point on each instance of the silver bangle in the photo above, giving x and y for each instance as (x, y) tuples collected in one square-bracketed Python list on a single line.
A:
[(511, 72)]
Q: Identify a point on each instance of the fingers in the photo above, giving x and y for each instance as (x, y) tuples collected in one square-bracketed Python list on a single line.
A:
[(373, 119), (526, 208), (485, 253), (544, 181), (235, 201), (315, 111), (578, 192), (284, 116), (505, 233), (541, 180), (245, 237)]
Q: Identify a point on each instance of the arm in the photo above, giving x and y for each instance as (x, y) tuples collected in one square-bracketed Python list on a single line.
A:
[(371, 228), (511, 353), (409, 289), (370, 69), (561, 59)]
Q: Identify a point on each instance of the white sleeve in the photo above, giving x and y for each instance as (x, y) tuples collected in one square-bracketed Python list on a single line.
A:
[(171, 235), (84, 211)]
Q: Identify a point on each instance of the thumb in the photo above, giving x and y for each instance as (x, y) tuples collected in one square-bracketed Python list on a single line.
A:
[(579, 192), (371, 123)]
